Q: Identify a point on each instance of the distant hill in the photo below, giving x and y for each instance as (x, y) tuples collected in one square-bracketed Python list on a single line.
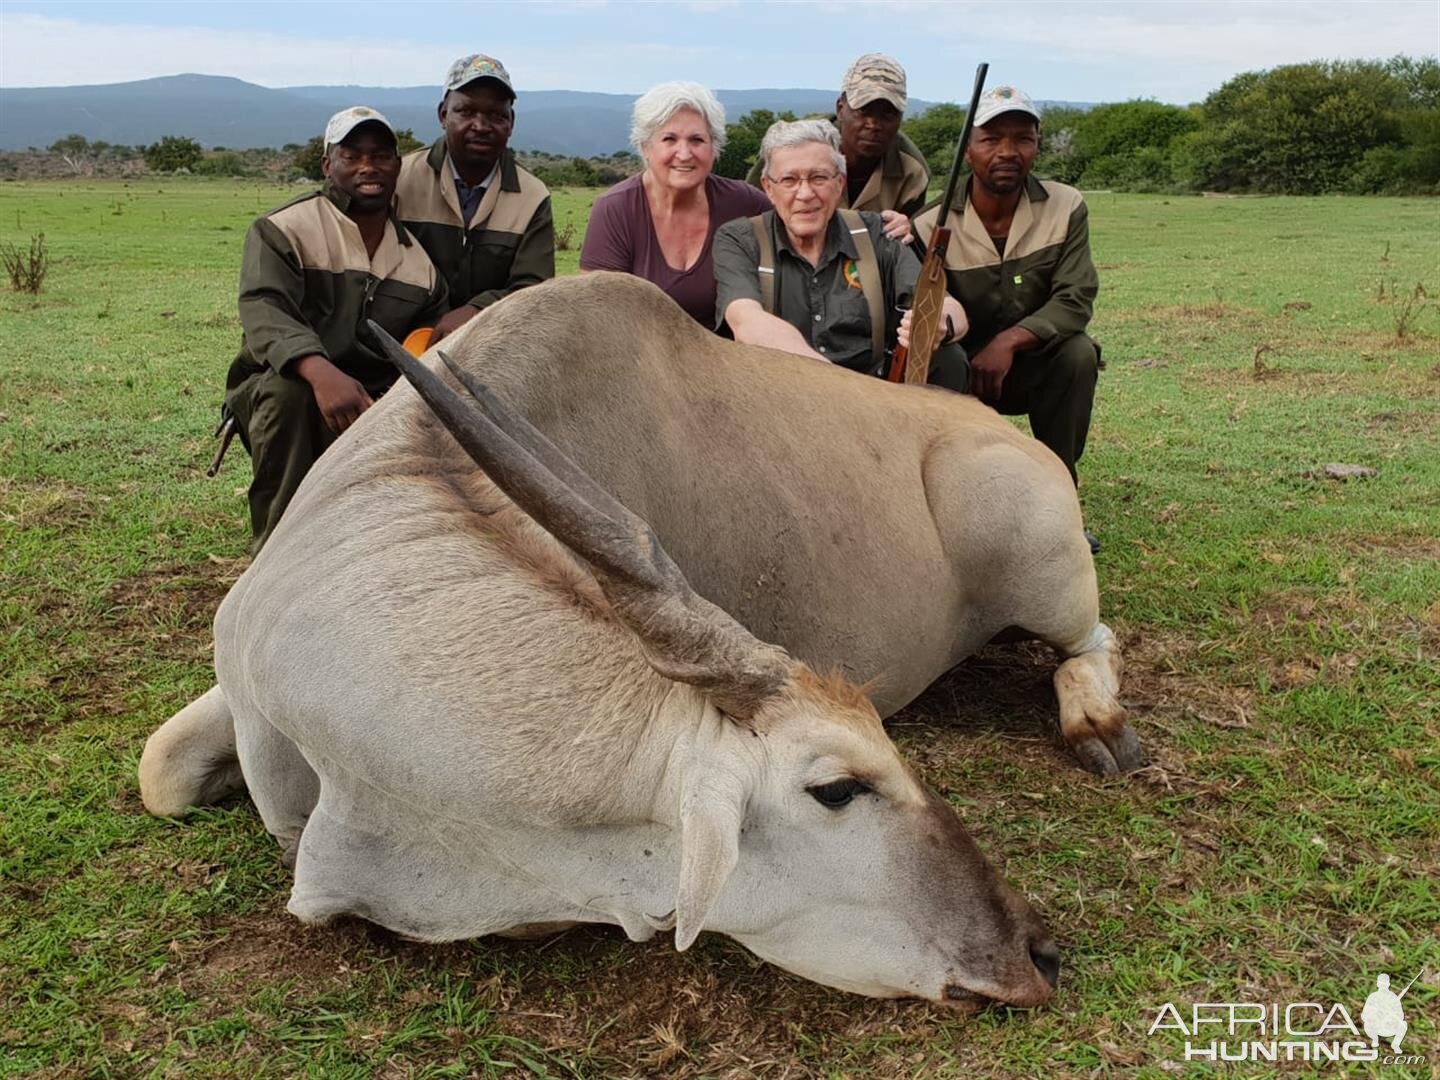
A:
[(221, 111)]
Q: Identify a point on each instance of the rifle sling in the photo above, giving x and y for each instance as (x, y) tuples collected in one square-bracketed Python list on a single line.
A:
[(869, 268)]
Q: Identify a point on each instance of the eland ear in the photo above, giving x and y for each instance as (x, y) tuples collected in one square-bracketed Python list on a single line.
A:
[(711, 815)]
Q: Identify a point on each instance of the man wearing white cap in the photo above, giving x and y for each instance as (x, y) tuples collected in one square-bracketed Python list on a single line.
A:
[(484, 220), (885, 173), (1019, 263), (313, 272)]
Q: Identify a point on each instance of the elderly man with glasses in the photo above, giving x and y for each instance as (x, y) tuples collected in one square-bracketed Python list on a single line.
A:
[(818, 261)]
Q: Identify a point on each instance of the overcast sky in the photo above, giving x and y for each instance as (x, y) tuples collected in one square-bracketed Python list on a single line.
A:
[(1081, 51)]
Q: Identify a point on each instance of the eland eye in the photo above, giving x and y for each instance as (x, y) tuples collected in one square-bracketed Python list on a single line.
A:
[(837, 793)]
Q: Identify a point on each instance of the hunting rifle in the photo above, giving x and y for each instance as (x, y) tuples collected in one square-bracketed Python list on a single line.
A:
[(912, 365)]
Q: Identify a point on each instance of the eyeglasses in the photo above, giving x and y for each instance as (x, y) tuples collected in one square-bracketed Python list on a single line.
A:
[(816, 180)]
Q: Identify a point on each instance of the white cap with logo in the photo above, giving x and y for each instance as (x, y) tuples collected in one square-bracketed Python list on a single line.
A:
[(347, 120), (1003, 99)]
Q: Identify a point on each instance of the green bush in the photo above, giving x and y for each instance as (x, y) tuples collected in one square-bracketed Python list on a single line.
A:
[(307, 159), (1059, 156), (173, 153), (742, 142), (223, 163), (1144, 169), (1127, 126), (935, 133), (1310, 128)]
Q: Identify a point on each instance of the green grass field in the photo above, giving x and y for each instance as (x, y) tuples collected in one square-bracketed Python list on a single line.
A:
[(1282, 634)]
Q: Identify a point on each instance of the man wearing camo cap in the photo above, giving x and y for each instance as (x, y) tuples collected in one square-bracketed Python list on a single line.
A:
[(484, 220), (313, 272), (885, 172), (1019, 263)]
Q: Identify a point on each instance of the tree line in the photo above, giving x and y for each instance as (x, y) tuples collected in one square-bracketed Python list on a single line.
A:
[(1364, 127), (1359, 126)]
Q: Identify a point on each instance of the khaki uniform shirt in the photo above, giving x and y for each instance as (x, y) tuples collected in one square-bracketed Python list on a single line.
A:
[(307, 285), (1045, 281), (509, 243), (824, 302), (899, 182)]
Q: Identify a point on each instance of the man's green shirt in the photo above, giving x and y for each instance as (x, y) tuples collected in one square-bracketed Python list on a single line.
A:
[(1045, 281), (825, 302), (307, 285)]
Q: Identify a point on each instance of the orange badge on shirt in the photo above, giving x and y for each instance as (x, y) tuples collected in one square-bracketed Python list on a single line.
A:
[(852, 275)]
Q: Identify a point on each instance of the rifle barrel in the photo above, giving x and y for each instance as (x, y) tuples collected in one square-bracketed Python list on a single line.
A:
[(980, 72), (1410, 983)]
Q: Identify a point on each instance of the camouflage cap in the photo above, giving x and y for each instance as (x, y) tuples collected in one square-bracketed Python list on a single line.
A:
[(477, 66), (1003, 99), (347, 120), (874, 77)]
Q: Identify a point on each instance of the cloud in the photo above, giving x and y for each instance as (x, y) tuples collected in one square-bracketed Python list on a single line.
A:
[(38, 50), (1081, 51), (1237, 36)]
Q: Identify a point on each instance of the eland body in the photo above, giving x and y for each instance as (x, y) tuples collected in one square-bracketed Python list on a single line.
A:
[(471, 688)]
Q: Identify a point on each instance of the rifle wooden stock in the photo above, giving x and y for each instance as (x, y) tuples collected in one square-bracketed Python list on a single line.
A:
[(912, 365)]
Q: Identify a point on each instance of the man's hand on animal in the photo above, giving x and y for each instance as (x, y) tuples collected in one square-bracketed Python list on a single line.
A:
[(753, 325), (340, 398), (453, 320)]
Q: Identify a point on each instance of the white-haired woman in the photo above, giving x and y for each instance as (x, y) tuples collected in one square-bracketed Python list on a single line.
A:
[(659, 225)]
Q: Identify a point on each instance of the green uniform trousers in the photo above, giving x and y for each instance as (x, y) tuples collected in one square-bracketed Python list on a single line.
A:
[(949, 368), (280, 424), (1055, 387)]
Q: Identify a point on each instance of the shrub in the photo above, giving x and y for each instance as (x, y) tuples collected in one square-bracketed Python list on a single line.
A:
[(935, 133), (1144, 169), (226, 163), (307, 158), (26, 267), (173, 153), (406, 141), (1310, 128)]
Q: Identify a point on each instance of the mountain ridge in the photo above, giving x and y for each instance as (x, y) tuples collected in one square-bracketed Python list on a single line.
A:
[(220, 110)]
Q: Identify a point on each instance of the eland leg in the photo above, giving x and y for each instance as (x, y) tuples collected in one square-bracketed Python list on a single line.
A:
[(282, 783), (366, 854), (190, 760), (1092, 720)]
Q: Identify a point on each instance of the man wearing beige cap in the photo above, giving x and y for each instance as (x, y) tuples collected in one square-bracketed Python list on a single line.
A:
[(484, 220), (313, 272), (885, 173), (1019, 263)]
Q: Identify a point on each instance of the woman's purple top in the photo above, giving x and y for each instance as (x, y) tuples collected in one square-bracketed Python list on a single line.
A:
[(621, 236)]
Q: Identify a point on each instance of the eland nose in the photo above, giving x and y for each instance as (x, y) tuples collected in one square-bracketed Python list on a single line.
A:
[(1046, 958)]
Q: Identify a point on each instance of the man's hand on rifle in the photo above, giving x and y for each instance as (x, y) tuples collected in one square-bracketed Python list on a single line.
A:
[(953, 324), (339, 398), (897, 226)]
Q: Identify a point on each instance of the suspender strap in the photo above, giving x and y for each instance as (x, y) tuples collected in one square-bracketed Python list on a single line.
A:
[(869, 269), (766, 267)]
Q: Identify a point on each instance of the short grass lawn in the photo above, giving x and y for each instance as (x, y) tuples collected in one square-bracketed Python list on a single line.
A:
[(1281, 629)]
